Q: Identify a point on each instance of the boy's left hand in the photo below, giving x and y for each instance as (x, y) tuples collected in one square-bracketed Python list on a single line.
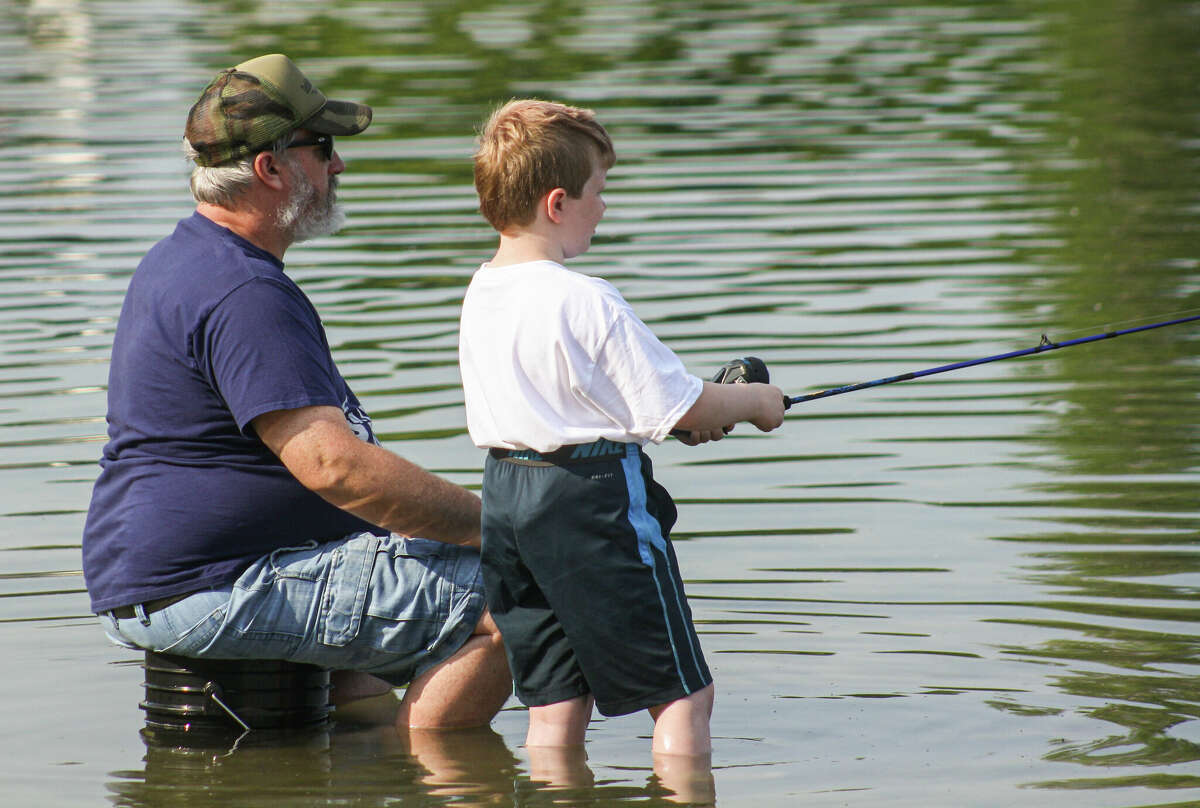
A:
[(696, 437)]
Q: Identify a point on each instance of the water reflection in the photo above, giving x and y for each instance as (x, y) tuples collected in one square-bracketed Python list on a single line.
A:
[(299, 766), (1125, 441), (365, 757)]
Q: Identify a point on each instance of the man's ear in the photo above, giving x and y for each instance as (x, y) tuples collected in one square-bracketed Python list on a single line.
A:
[(553, 204), (269, 169)]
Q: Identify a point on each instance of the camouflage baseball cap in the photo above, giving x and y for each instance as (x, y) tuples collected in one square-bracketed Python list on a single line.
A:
[(245, 108)]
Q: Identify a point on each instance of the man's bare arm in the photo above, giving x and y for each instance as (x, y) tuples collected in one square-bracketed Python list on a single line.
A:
[(318, 447)]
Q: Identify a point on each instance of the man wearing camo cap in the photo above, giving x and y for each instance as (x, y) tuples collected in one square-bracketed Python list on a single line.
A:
[(245, 508)]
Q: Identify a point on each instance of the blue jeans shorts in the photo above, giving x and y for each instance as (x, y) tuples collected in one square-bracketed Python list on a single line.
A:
[(389, 606)]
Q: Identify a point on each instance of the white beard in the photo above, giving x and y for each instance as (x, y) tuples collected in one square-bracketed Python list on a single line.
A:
[(307, 214)]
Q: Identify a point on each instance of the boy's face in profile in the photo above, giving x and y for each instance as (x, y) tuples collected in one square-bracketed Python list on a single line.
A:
[(580, 216)]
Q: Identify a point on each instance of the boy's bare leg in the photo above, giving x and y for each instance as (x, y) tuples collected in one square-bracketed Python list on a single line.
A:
[(560, 724), (560, 766), (466, 690), (681, 726), (689, 778)]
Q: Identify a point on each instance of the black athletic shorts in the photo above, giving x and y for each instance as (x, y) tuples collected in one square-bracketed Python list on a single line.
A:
[(582, 580)]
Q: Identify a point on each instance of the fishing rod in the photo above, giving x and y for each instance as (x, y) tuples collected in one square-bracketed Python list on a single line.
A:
[(753, 369)]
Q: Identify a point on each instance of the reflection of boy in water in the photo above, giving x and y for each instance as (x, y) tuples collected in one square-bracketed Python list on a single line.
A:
[(564, 384)]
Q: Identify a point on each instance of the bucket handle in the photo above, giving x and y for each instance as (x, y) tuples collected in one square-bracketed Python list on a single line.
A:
[(214, 692)]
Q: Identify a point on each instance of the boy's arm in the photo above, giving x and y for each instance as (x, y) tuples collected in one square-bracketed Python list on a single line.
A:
[(723, 405)]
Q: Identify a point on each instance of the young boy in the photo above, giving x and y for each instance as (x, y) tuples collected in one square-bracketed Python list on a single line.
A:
[(564, 385)]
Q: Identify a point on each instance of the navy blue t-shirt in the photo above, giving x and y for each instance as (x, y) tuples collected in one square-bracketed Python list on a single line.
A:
[(212, 334)]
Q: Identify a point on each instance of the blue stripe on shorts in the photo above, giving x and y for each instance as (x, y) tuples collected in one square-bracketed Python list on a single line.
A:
[(650, 538)]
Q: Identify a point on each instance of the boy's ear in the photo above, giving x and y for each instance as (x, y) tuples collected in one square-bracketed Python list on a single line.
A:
[(553, 203)]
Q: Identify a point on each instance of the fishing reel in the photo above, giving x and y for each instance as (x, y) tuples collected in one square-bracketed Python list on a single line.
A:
[(743, 371)]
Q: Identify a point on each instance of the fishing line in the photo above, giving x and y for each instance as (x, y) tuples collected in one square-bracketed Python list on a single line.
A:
[(1045, 345), (1111, 325)]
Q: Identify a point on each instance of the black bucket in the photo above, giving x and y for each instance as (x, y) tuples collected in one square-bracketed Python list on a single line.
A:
[(215, 696)]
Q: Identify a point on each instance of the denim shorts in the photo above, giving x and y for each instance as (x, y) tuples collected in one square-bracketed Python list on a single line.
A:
[(389, 606)]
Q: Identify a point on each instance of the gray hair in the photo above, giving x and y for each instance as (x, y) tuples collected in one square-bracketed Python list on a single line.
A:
[(222, 185)]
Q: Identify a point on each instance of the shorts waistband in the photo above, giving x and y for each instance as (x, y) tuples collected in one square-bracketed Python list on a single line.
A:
[(594, 452)]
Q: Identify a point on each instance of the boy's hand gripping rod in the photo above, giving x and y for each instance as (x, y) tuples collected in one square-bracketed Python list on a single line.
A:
[(739, 371), (753, 369)]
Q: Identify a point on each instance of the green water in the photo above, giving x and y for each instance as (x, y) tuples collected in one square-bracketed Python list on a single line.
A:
[(976, 589)]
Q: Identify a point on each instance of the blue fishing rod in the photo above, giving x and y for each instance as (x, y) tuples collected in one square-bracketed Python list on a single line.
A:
[(753, 369)]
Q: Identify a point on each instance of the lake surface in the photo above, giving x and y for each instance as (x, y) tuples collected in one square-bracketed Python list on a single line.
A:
[(975, 589)]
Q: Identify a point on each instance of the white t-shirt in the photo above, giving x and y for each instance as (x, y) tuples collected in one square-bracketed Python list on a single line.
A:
[(551, 357)]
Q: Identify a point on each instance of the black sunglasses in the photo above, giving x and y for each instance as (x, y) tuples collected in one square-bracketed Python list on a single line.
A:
[(324, 141)]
